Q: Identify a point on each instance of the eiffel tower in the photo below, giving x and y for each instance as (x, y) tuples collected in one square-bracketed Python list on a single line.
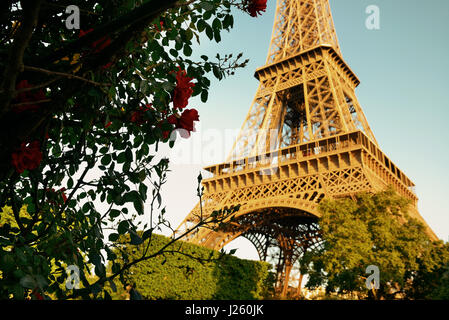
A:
[(305, 138)]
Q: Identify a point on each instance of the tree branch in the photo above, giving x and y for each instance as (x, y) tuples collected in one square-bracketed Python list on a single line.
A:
[(15, 62), (65, 75), (30, 103), (126, 266)]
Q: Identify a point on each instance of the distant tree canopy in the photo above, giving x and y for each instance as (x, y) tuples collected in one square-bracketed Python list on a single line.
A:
[(375, 229)]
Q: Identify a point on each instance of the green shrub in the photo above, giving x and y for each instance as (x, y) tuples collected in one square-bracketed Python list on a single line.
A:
[(190, 272)]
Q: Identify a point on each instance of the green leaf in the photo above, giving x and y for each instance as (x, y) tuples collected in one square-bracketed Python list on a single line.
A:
[(207, 15), (114, 213), (147, 234), (115, 267), (204, 96), (135, 239), (132, 196), (86, 207), (187, 50), (127, 166), (155, 55), (8, 262), (142, 175), (209, 32), (189, 34), (138, 141), (70, 183), (228, 21), (143, 189), (93, 92), (31, 208), (138, 205), (123, 227), (113, 237), (121, 158), (216, 25), (106, 159), (201, 25), (217, 72), (129, 155), (174, 53), (178, 44)]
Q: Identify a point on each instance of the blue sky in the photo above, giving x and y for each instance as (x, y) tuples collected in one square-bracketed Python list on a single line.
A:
[(403, 68)]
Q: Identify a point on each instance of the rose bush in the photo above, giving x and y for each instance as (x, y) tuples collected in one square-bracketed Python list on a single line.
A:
[(83, 112)]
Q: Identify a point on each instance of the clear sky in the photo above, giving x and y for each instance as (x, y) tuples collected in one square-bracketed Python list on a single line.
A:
[(404, 93)]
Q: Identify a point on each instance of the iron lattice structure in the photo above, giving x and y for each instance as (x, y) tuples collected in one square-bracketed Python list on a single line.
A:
[(305, 138)]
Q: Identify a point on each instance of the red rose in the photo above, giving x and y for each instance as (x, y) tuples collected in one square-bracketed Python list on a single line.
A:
[(137, 116), (28, 157), (27, 97), (255, 7), (165, 133), (183, 90), (185, 121), (99, 44), (64, 196), (38, 296), (107, 66), (83, 33), (161, 24), (52, 195)]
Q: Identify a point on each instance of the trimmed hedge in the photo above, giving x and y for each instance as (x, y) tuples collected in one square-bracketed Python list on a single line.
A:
[(176, 275)]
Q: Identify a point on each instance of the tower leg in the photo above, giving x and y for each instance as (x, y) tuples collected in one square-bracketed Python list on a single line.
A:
[(280, 271), (286, 278)]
